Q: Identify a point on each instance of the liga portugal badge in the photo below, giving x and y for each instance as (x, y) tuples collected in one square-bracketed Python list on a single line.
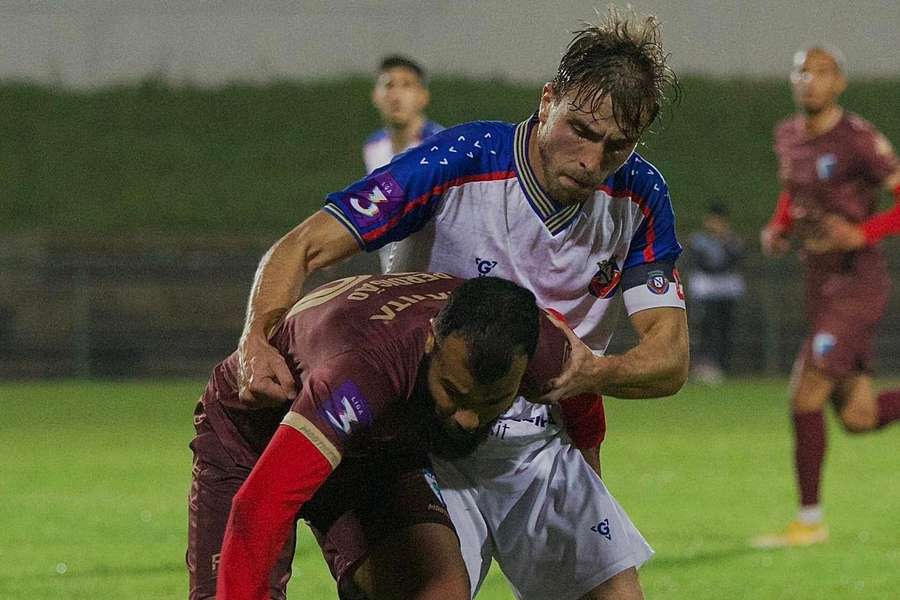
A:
[(604, 282)]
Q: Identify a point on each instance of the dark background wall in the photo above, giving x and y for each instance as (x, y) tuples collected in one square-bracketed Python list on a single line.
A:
[(132, 217)]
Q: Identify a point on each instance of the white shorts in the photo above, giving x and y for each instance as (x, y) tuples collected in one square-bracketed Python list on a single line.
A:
[(528, 499)]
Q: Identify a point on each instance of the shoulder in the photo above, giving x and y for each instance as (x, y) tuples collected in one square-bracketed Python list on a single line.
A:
[(430, 128), (375, 137), (787, 128), (640, 180), (476, 149)]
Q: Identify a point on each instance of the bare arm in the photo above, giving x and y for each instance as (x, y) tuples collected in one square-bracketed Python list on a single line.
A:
[(657, 366), (317, 242)]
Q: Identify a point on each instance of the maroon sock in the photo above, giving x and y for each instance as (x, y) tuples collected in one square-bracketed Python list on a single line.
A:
[(809, 454), (888, 407)]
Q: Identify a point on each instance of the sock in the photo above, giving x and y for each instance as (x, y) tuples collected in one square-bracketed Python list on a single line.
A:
[(809, 454), (888, 407), (810, 515)]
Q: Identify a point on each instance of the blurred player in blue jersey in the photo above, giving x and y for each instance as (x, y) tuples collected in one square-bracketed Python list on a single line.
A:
[(561, 204), (401, 96)]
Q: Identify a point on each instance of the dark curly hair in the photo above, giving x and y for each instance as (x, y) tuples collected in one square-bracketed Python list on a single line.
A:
[(621, 58)]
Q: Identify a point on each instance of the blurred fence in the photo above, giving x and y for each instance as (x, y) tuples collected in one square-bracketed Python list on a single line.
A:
[(173, 307)]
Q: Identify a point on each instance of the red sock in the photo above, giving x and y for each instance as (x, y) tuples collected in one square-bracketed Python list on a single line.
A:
[(809, 454), (888, 407)]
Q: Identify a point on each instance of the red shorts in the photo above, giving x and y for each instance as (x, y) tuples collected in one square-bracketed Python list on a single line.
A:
[(844, 309), (363, 502)]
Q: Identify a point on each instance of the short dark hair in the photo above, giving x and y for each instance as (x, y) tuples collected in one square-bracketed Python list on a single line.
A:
[(498, 320), (395, 61), (621, 58)]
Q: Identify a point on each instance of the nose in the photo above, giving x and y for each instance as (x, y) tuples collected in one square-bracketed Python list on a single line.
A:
[(467, 419), (591, 162)]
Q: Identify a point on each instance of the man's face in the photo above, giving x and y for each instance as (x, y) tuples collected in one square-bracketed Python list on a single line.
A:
[(577, 150), (464, 409), (399, 96), (817, 82)]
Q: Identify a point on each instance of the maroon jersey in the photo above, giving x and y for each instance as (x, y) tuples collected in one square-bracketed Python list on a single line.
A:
[(838, 172), (355, 346)]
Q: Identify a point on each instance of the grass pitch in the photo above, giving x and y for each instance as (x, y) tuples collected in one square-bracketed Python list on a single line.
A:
[(94, 477)]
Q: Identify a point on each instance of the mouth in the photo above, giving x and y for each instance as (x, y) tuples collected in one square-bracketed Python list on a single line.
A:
[(572, 182)]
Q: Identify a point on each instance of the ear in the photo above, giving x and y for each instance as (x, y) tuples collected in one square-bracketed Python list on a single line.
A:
[(840, 85), (429, 341), (548, 98), (425, 99)]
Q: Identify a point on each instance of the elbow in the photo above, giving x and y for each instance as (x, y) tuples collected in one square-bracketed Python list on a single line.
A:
[(677, 375)]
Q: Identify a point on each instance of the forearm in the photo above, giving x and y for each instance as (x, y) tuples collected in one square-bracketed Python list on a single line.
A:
[(885, 223), (657, 366), (317, 242), (264, 512)]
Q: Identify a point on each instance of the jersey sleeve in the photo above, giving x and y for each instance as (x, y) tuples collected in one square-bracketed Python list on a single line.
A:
[(339, 401), (399, 198), (649, 276), (877, 157)]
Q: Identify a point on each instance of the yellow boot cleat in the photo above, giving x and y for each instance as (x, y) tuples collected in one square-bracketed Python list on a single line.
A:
[(796, 534)]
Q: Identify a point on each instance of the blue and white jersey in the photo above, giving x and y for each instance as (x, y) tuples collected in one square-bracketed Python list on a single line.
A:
[(467, 203), (378, 150)]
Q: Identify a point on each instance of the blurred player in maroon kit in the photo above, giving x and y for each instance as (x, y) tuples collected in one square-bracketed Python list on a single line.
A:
[(832, 164), (389, 369)]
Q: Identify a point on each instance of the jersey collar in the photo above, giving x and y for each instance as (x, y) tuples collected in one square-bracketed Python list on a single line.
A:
[(555, 216)]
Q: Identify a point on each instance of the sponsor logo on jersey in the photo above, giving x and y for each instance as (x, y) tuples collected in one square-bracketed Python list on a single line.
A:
[(603, 529), (825, 165), (823, 343), (484, 265), (379, 194), (657, 282), (347, 410), (605, 281)]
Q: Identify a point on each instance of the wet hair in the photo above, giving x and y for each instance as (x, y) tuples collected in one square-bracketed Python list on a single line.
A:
[(621, 58), (497, 319), (717, 207), (395, 61)]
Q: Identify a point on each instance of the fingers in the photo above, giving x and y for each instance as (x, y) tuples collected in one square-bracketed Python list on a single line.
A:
[(266, 380)]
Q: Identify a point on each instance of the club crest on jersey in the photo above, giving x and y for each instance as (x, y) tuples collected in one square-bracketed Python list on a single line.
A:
[(378, 194), (484, 266), (605, 281), (823, 343), (657, 282), (825, 165), (346, 410)]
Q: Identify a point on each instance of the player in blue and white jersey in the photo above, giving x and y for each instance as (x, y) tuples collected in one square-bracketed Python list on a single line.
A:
[(401, 96), (563, 205)]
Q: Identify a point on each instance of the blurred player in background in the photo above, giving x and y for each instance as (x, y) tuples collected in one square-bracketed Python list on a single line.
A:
[(563, 205), (832, 164), (391, 367), (714, 255), (401, 96)]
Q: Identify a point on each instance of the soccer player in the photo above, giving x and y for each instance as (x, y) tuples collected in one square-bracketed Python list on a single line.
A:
[(389, 367), (831, 165), (401, 96), (563, 205)]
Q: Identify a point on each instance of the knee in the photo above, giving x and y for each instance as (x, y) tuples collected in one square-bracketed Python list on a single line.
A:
[(856, 422)]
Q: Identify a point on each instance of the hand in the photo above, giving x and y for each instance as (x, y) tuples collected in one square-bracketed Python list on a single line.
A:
[(773, 242), (576, 377), (841, 234), (264, 377)]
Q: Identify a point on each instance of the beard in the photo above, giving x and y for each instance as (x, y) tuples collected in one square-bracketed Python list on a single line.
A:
[(555, 189), (448, 440)]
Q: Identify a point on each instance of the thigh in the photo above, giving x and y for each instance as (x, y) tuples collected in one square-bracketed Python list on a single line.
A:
[(419, 562), (365, 504), (566, 534), (215, 479), (810, 388)]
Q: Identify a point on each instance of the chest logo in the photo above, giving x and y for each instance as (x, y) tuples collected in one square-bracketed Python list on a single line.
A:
[(605, 281), (825, 166), (484, 266)]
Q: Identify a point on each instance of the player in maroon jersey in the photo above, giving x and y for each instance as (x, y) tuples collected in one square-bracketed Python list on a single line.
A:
[(832, 165), (389, 370)]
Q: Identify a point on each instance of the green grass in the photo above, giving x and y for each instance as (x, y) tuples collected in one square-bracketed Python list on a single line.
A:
[(94, 476)]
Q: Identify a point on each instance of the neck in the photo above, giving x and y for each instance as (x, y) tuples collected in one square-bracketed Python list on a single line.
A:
[(534, 156), (403, 136), (823, 121)]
